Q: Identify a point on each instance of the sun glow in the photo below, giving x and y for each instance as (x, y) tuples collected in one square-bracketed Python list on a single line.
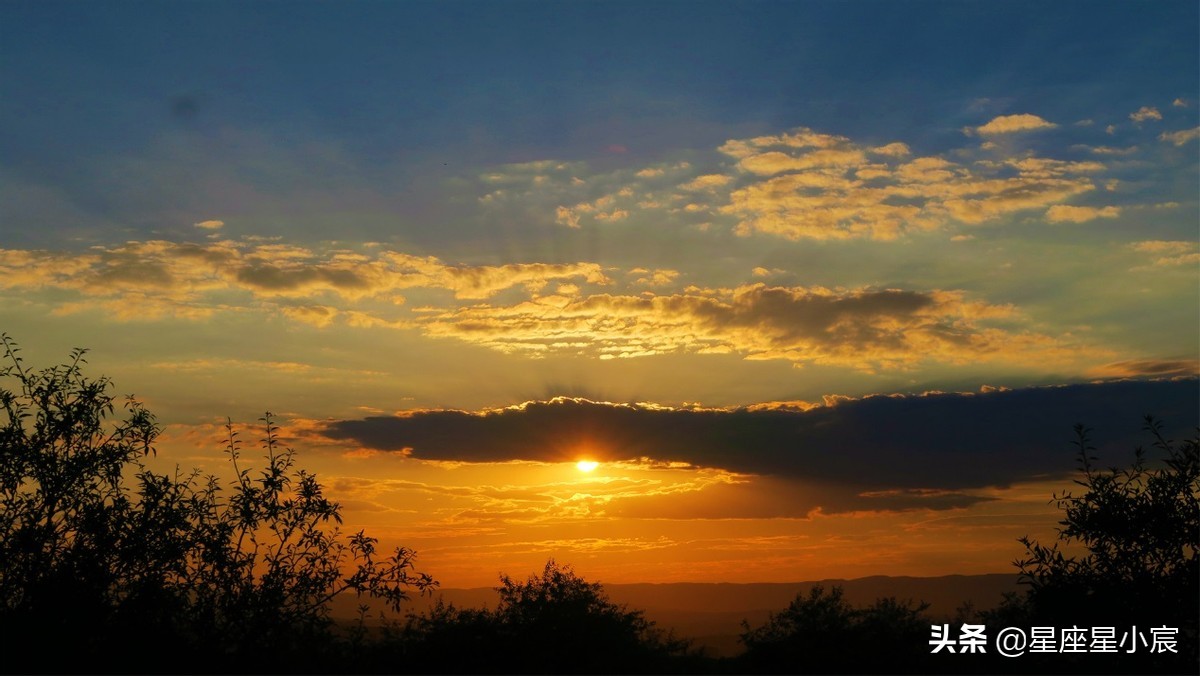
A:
[(586, 465)]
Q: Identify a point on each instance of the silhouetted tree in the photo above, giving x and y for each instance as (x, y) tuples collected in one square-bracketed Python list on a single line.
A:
[(823, 633), (129, 569), (65, 561), (1139, 528), (553, 622)]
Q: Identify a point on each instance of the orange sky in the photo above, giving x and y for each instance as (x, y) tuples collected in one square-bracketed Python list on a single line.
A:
[(821, 286)]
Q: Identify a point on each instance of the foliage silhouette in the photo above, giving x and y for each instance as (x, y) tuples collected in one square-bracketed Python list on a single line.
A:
[(823, 633), (96, 549), (1140, 528), (553, 622)]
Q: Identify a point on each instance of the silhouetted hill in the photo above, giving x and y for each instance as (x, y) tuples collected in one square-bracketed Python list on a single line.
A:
[(712, 613)]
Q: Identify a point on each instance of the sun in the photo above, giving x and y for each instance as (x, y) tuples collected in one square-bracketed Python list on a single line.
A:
[(586, 465)]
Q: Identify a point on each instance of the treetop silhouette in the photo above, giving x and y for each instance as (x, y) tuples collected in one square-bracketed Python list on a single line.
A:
[(96, 547)]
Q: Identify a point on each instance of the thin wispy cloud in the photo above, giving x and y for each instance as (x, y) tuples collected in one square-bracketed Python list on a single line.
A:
[(1182, 137)]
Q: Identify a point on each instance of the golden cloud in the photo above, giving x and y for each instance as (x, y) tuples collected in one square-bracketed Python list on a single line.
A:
[(604, 208), (892, 150), (1145, 113), (1008, 124), (1180, 138), (319, 316), (707, 182), (157, 279), (661, 277), (1170, 253), (1160, 246), (775, 162), (804, 184), (1141, 368), (863, 328), (816, 186), (1062, 213), (798, 138)]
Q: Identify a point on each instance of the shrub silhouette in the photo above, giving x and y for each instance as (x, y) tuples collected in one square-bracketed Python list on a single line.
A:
[(823, 633), (1140, 528), (553, 622), (97, 550)]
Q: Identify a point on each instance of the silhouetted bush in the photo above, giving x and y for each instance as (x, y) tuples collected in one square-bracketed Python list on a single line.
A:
[(1139, 528), (822, 633), (555, 622), (129, 570)]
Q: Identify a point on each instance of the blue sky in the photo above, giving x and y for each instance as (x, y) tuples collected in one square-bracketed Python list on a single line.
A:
[(407, 93)]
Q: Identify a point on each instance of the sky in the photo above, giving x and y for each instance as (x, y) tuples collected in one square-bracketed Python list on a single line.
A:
[(821, 287)]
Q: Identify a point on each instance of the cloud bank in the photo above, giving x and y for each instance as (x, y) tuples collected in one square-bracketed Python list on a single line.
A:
[(933, 442), (863, 328), (536, 309)]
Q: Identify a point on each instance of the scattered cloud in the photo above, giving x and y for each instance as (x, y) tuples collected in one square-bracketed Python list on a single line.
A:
[(776, 162), (1180, 137), (319, 316), (893, 150), (602, 209), (1106, 150), (707, 182), (210, 225), (662, 277), (1009, 124), (804, 184), (1170, 253), (567, 217), (1161, 246), (827, 189), (1062, 213), (1145, 113)]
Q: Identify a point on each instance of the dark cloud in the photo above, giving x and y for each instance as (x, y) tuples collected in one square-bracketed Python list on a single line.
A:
[(127, 271), (273, 278), (204, 253), (789, 315), (941, 442)]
